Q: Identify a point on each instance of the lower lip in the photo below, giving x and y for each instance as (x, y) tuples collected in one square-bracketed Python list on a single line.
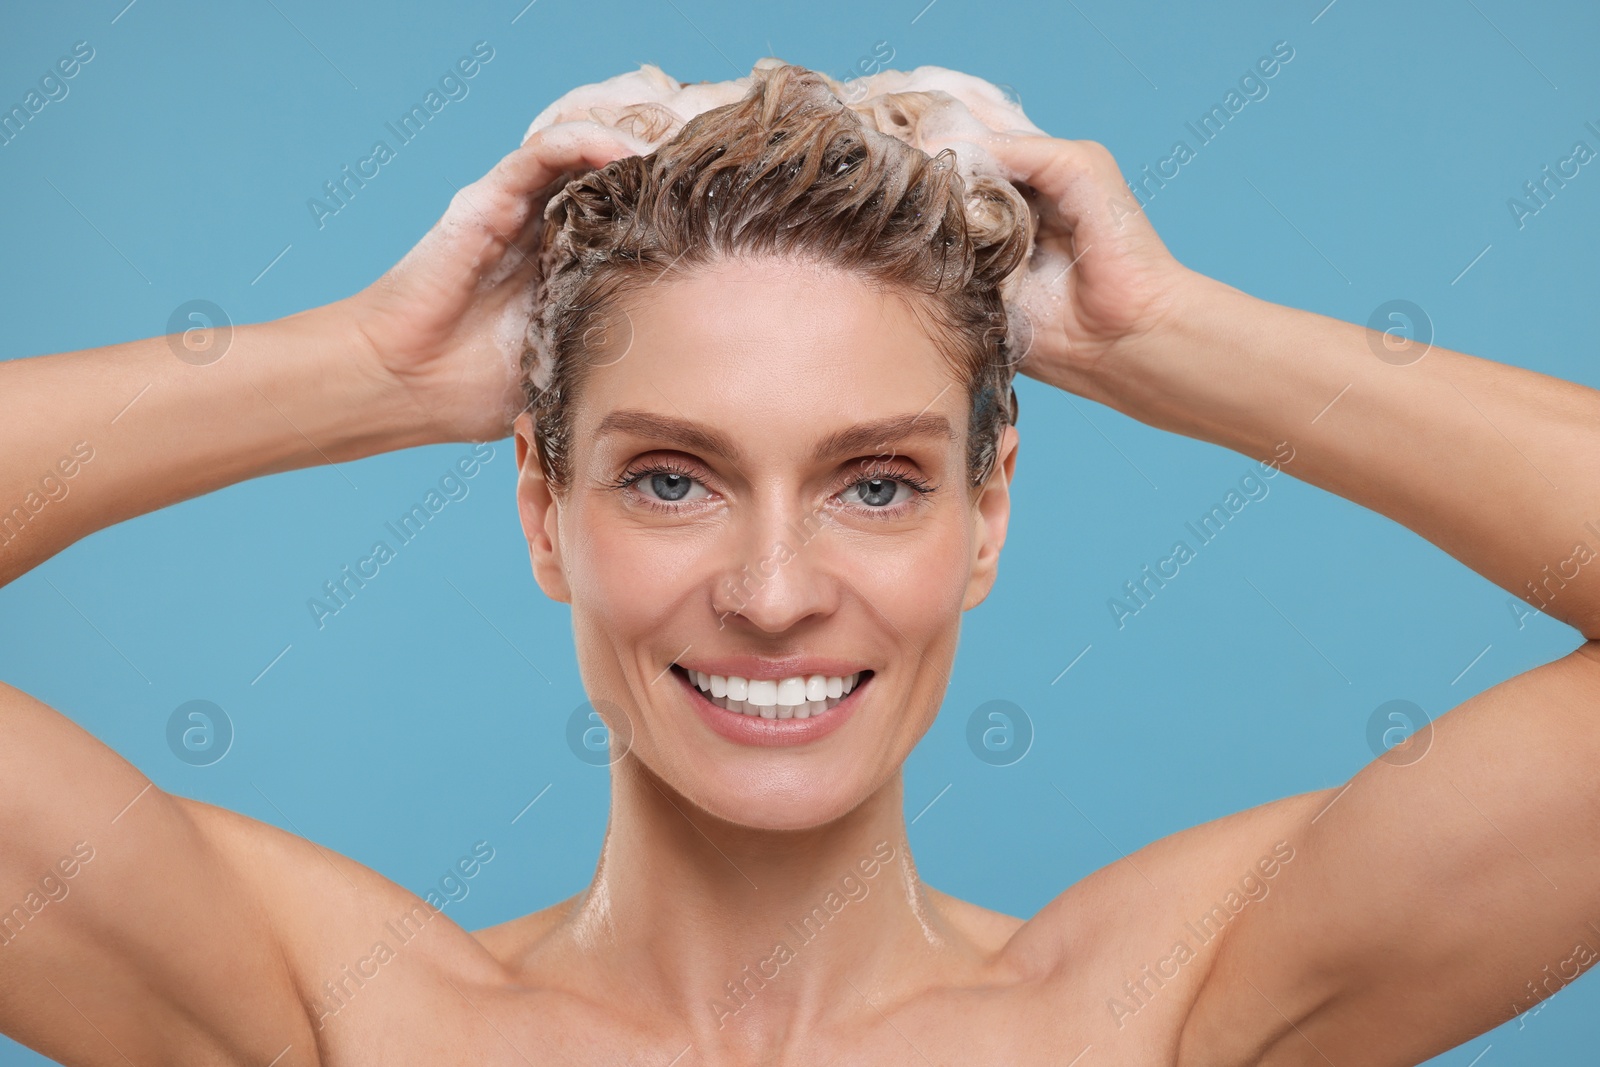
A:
[(756, 730)]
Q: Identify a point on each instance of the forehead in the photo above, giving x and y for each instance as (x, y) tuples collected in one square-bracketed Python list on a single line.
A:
[(785, 343)]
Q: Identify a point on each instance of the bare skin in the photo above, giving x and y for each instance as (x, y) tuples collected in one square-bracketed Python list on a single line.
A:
[(197, 935)]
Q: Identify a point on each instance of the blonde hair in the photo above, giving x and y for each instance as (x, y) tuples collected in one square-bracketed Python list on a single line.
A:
[(788, 170)]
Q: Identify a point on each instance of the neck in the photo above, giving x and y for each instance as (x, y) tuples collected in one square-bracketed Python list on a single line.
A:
[(745, 932)]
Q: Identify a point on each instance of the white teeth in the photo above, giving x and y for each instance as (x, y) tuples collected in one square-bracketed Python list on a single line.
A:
[(813, 707), (797, 697)]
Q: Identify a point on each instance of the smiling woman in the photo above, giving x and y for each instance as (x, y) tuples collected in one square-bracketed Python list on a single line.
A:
[(782, 321), (757, 362), (758, 396)]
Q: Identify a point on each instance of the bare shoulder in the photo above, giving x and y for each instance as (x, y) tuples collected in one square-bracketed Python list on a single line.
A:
[(1117, 961), (336, 915), (330, 911), (1182, 889), (991, 931), (515, 940)]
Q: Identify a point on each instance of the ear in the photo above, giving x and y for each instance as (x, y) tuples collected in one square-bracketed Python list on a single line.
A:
[(540, 513), (991, 513)]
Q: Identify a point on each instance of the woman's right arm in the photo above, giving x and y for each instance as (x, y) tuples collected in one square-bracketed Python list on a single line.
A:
[(137, 925), (98, 436)]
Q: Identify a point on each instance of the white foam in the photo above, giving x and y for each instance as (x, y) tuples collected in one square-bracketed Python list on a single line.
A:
[(929, 107), (511, 331), (953, 109)]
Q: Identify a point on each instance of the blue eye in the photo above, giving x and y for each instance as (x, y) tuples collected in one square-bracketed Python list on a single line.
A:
[(670, 486), (666, 486), (878, 492)]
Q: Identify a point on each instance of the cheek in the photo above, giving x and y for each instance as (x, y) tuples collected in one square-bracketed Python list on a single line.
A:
[(923, 577), (916, 583), (627, 581)]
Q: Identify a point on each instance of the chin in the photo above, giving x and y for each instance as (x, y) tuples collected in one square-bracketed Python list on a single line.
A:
[(802, 802)]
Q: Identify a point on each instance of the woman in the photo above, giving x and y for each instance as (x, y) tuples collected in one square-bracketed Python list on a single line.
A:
[(766, 458)]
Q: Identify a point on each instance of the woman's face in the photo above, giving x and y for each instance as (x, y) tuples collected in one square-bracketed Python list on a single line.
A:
[(768, 482)]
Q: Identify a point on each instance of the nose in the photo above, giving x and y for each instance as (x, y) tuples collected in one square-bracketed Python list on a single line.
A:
[(778, 570)]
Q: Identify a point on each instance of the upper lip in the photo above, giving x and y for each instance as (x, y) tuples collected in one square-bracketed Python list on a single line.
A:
[(797, 666)]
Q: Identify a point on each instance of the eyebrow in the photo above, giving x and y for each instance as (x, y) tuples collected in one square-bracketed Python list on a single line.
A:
[(875, 436)]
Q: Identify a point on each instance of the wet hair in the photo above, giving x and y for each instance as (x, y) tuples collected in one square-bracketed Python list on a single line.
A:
[(789, 170)]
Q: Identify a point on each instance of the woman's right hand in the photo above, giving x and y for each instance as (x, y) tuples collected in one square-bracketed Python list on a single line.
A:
[(446, 323)]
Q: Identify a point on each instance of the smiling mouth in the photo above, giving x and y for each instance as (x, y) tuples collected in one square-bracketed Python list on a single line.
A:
[(799, 697)]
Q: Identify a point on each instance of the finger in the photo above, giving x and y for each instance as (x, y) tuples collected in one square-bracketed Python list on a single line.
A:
[(1074, 176), (563, 148), (1046, 162), (502, 205), (509, 199), (1080, 184)]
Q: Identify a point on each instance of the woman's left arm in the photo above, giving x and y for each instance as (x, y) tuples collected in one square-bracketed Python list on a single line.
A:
[(1497, 465), (1430, 901), (1436, 900)]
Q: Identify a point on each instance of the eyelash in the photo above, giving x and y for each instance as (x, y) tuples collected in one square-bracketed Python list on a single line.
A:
[(633, 475)]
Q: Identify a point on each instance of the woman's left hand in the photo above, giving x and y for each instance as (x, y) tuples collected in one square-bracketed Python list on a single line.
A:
[(1101, 278)]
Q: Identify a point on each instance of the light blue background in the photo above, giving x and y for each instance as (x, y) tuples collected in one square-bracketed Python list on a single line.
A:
[(416, 722)]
